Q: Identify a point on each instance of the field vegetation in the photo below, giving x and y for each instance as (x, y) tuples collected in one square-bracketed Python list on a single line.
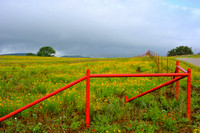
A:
[(25, 79), (189, 56), (181, 50)]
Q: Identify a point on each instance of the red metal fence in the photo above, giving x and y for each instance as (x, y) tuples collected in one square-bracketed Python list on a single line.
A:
[(157, 59), (176, 77)]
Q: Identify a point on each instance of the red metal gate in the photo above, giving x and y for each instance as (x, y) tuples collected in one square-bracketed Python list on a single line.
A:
[(176, 77)]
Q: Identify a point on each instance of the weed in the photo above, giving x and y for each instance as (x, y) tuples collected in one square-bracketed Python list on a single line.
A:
[(64, 127), (22, 82), (75, 124)]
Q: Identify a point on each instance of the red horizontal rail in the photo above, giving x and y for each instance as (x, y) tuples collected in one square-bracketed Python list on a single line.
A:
[(180, 68), (139, 75), (155, 88), (88, 76), (41, 99)]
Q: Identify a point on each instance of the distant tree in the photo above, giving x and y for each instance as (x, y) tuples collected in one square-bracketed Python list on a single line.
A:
[(181, 50), (30, 54), (46, 51)]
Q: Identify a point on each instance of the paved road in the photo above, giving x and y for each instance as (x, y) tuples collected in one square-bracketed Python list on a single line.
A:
[(195, 61)]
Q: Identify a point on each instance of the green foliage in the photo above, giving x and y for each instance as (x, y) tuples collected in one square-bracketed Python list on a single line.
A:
[(51, 108), (170, 124), (46, 51), (75, 124), (101, 124), (26, 79), (30, 54), (39, 89), (64, 127), (181, 50), (37, 128)]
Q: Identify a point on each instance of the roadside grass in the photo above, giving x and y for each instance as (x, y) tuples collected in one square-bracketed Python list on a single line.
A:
[(25, 79), (189, 56)]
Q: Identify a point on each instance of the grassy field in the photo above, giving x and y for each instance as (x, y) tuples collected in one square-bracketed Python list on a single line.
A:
[(189, 56), (25, 79)]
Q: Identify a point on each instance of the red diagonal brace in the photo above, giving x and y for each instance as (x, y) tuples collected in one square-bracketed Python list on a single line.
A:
[(151, 90), (42, 99)]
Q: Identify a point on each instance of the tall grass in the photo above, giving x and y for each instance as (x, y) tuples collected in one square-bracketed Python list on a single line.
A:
[(25, 79)]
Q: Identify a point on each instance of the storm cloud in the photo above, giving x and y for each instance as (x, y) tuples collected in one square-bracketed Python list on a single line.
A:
[(98, 28)]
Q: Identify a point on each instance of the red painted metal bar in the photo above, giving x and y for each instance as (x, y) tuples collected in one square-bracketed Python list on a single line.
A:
[(139, 75), (88, 99), (155, 88), (177, 82), (180, 68), (147, 53), (188, 93), (41, 99)]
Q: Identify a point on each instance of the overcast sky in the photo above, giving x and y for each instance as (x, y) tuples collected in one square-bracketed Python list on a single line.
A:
[(99, 28)]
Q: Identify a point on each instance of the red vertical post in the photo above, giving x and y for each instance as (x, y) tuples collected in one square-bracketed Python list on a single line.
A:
[(126, 99), (177, 82), (88, 99), (188, 92)]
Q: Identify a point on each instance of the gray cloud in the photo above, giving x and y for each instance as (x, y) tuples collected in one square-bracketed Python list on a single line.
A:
[(97, 28)]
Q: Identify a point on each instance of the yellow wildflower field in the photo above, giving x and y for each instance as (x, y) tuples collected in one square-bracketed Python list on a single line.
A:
[(25, 79)]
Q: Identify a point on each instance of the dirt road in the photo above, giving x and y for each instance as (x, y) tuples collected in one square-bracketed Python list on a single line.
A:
[(195, 61)]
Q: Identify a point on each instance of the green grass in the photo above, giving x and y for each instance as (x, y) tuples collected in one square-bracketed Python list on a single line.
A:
[(189, 56), (25, 79)]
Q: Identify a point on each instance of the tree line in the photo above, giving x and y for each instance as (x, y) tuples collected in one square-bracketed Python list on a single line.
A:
[(50, 52), (44, 51), (181, 50)]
